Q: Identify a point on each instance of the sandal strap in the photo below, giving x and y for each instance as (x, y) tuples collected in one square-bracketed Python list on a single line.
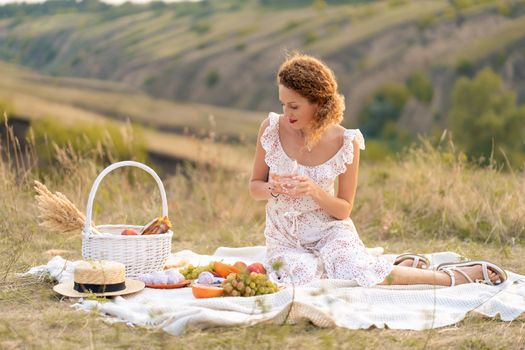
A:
[(464, 274), (486, 278), (484, 269), (415, 261), (450, 274)]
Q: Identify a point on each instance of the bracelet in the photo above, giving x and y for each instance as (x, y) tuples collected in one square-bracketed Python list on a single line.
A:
[(273, 195)]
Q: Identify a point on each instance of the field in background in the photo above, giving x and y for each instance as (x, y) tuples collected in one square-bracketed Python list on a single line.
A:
[(227, 54), (74, 99), (139, 62), (176, 130), (429, 199)]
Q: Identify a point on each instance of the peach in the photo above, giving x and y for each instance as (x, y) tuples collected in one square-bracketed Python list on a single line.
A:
[(240, 265)]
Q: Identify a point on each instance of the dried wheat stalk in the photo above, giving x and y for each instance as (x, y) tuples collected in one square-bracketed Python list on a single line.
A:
[(57, 213)]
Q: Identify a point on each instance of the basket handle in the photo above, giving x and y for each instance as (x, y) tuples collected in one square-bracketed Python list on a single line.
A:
[(94, 188)]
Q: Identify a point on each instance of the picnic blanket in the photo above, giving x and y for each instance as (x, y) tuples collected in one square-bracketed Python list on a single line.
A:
[(325, 303)]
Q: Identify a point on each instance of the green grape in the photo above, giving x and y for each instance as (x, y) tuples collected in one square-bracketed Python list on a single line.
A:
[(248, 284), (192, 272)]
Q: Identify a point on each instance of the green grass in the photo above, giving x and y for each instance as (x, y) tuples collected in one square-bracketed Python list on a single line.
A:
[(417, 202)]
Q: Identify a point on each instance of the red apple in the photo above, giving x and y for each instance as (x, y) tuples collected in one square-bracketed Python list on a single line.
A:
[(129, 232), (257, 268)]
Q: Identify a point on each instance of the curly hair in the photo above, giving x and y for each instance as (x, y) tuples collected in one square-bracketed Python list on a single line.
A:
[(313, 80)]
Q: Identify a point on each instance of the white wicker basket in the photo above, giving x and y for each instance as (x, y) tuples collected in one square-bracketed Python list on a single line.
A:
[(141, 254)]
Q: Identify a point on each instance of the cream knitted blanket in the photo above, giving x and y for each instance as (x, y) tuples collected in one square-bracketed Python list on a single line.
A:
[(326, 303)]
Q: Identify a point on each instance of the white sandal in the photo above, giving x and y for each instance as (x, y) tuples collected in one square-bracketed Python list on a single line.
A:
[(416, 257), (450, 268)]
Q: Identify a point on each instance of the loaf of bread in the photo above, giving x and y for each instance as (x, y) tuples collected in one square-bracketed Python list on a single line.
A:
[(175, 262)]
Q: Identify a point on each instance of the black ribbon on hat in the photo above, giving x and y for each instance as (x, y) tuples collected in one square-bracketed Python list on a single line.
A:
[(99, 288)]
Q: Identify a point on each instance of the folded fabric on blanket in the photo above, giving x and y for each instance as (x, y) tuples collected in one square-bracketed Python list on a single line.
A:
[(326, 303)]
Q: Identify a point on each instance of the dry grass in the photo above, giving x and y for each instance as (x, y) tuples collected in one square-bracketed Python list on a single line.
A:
[(57, 213), (434, 193), (416, 203)]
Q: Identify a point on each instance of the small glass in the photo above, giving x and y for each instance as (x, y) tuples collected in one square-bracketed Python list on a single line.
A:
[(285, 178)]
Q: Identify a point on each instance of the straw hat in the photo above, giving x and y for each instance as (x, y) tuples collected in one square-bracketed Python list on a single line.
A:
[(99, 278)]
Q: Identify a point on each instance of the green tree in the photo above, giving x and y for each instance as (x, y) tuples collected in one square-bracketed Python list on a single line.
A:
[(465, 67), (485, 119), (386, 105), (420, 87), (212, 78)]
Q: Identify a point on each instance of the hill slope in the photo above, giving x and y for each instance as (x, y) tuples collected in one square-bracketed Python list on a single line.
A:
[(228, 57), (33, 96)]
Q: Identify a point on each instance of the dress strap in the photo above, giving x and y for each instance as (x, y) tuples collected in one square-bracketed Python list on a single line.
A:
[(346, 155), (270, 140), (270, 135), (355, 134)]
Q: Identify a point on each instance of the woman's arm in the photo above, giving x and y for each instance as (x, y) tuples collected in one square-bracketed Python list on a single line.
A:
[(260, 188), (339, 206)]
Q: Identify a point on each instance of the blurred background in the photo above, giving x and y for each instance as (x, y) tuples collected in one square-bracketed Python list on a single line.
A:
[(168, 82)]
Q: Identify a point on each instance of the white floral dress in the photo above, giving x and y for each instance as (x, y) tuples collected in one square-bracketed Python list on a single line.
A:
[(310, 244)]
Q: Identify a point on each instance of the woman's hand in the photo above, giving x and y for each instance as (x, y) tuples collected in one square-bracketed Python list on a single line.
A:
[(304, 187), (280, 184)]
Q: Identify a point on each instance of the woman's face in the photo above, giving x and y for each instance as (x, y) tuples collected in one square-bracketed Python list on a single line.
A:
[(297, 110)]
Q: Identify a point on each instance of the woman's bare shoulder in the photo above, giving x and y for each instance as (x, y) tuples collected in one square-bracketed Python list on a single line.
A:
[(335, 132), (268, 120), (264, 124)]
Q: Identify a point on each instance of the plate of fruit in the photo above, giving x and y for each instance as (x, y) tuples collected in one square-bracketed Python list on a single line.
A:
[(167, 279), (220, 279)]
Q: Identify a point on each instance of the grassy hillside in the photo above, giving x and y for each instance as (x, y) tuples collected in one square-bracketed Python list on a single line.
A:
[(226, 53), (430, 199), (178, 130), (119, 101)]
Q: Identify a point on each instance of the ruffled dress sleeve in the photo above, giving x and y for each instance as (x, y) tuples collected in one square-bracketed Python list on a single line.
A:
[(270, 140), (345, 156)]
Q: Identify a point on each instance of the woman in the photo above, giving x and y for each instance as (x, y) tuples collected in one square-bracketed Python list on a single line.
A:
[(299, 156)]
